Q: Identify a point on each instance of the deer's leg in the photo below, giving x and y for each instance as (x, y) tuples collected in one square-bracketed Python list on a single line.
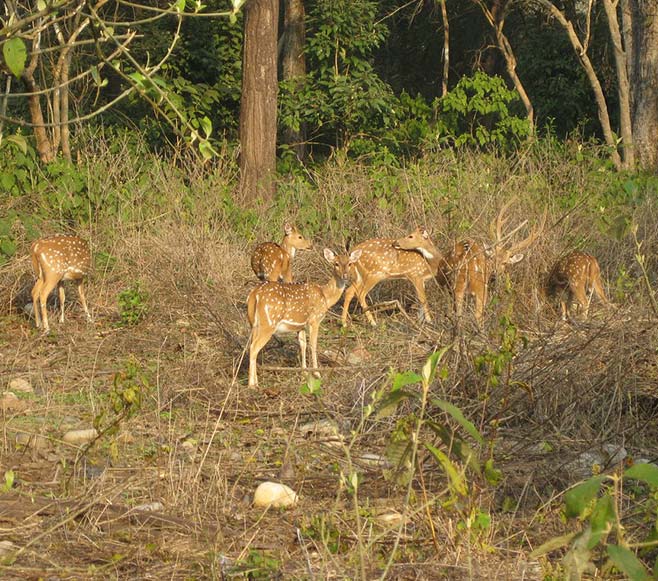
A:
[(301, 337), (313, 332), (349, 295), (36, 291), (419, 285), (46, 288), (361, 295), (480, 304), (62, 300), (83, 300), (598, 290), (259, 338), (579, 293), (458, 296)]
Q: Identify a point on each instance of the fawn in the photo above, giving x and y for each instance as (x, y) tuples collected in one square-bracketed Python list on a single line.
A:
[(54, 260), (274, 307), (272, 261), (576, 276)]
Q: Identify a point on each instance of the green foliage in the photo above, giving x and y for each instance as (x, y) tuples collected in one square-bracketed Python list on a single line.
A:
[(597, 502), (256, 565), (9, 479), (478, 113), (444, 421), (496, 365), (15, 55), (133, 305), (322, 528)]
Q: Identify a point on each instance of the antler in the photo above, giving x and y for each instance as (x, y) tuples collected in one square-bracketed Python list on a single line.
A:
[(537, 229)]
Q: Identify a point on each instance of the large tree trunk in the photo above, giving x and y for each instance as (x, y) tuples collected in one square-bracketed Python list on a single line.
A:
[(259, 98), (641, 39), (294, 63)]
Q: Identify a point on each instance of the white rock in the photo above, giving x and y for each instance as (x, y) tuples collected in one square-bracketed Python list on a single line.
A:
[(389, 519), (80, 436), (150, 507), (275, 495), (7, 548), (320, 428), (370, 459), (21, 384), (34, 441)]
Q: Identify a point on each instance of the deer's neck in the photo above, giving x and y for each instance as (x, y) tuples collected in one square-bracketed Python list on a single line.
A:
[(332, 291), (287, 247), (433, 256)]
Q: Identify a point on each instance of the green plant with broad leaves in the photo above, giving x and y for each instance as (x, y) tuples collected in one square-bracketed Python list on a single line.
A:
[(479, 112), (133, 305), (437, 425), (619, 526)]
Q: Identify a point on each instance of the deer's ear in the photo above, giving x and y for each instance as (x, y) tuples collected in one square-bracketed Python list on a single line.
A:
[(287, 228), (355, 255), (516, 258), (489, 251), (329, 255), (424, 233)]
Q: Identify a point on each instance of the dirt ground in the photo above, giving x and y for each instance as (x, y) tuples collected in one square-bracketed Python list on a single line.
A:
[(167, 491)]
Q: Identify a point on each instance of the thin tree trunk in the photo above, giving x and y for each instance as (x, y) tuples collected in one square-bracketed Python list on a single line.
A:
[(44, 147), (492, 58), (446, 48), (595, 84), (259, 99), (294, 64), (623, 88), (497, 22)]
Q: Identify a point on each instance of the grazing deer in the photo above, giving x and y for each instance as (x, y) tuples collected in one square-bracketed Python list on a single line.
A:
[(470, 265), (54, 260), (382, 260), (274, 307), (576, 276), (273, 262)]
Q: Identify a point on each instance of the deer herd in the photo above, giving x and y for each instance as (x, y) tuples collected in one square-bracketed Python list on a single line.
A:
[(277, 304)]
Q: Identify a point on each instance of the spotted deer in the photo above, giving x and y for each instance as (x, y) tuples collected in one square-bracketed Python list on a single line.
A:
[(576, 276), (470, 265), (382, 260), (271, 261), (274, 307), (54, 260)]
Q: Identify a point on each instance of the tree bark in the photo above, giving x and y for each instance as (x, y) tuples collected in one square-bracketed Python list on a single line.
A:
[(623, 88), (588, 67), (44, 147), (497, 22), (259, 100), (640, 25), (446, 48), (294, 63)]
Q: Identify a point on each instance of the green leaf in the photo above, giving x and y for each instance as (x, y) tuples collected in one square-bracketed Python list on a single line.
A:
[(492, 474), (457, 414), (389, 404), (41, 5), (179, 6), (627, 563), (430, 365), (578, 498), (19, 141), (456, 478), (405, 378), (552, 545), (645, 472), (603, 514), (15, 55), (206, 126)]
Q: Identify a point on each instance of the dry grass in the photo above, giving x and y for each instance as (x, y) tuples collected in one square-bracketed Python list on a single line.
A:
[(202, 440)]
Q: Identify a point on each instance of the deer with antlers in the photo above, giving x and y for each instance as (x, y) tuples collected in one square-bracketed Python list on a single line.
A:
[(272, 261), (382, 260), (274, 307), (576, 276), (54, 260), (470, 265)]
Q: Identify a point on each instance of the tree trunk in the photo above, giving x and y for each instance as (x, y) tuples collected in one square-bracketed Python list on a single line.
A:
[(446, 48), (259, 100), (490, 64), (641, 39), (294, 64), (623, 89), (44, 147)]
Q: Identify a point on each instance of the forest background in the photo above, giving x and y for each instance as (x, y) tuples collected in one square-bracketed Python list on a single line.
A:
[(176, 135)]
